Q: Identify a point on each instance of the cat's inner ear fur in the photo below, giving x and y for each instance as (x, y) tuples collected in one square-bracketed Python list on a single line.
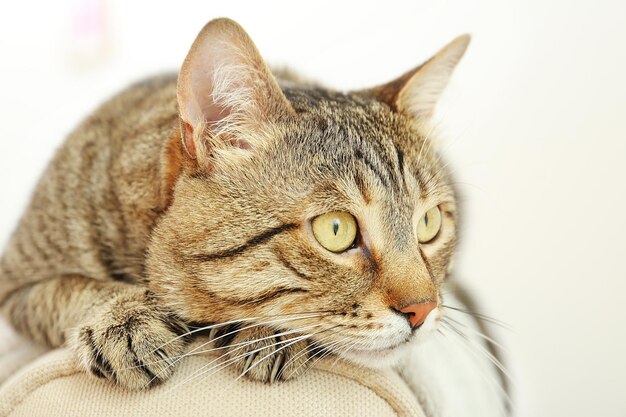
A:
[(224, 90), (416, 92)]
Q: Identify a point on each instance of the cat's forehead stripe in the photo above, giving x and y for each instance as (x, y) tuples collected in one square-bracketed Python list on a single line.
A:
[(362, 186), (400, 156), (367, 162)]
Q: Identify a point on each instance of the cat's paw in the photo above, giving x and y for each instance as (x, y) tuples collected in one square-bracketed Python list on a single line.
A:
[(130, 343), (261, 354)]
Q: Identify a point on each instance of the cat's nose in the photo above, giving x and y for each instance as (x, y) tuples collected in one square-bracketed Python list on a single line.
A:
[(417, 313)]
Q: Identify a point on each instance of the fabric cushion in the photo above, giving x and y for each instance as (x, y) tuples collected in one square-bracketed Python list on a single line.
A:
[(53, 385)]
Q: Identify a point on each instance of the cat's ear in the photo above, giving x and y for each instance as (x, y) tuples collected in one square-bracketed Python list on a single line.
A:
[(417, 91), (225, 87)]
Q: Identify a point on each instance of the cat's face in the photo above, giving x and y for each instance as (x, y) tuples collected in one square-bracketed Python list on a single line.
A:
[(312, 218)]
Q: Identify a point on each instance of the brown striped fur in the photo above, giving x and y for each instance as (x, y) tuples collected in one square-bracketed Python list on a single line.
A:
[(138, 227)]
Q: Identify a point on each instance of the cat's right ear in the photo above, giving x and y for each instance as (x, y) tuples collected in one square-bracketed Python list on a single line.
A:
[(416, 92), (225, 90)]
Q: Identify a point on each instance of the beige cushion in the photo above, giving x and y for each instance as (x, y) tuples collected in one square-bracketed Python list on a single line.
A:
[(54, 386)]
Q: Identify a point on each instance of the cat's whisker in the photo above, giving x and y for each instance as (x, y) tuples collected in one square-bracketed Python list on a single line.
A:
[(342, 349), (469, 184), (305, 352), (216, 368), (475, 332), (346, 344), (427, 138), (441, 169), (364, 335), (452, 337), (480, 316), (317, 345), (323, 352), (482, 350), (346, 348), (219, 365)]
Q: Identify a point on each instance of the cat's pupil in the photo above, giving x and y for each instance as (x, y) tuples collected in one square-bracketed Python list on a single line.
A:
[(426, 219), (335, 226)]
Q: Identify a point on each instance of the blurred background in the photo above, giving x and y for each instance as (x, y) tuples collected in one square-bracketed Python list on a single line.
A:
[(533, 126)]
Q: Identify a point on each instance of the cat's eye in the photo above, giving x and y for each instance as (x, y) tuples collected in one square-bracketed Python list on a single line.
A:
[(335, 230), (429, 225)]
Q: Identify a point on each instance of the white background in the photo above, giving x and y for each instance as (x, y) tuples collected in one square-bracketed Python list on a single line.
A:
[(533, 123)]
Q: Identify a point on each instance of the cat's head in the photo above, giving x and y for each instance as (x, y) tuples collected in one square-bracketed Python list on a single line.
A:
[(307, 209)]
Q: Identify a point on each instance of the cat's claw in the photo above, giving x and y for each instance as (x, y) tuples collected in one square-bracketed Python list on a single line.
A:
[(276, 368)]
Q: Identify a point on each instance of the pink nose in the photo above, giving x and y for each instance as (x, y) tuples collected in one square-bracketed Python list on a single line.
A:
[(417, 313)]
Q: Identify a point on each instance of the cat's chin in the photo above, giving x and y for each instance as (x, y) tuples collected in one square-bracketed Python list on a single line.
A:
[(379, 358)]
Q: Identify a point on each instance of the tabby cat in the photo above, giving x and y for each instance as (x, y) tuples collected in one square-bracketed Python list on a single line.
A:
[(303, 221)]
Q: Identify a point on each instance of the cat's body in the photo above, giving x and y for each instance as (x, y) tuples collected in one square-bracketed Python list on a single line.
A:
[(95, 207), (178, 203), (91, 217)]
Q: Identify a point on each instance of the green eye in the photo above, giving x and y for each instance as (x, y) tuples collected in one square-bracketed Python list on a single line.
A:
[(335, 231), (429, 225)]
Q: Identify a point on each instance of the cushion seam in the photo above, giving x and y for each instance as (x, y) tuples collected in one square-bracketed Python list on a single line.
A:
[(38, 386)]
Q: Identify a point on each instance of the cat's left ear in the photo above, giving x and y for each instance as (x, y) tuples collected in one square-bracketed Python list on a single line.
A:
[(225, 92), (417, 91)]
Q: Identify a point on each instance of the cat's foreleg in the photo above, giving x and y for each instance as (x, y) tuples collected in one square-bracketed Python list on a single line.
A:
[(117, 330)]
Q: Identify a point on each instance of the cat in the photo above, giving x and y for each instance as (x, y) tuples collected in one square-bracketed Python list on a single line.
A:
[(303, 221)]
